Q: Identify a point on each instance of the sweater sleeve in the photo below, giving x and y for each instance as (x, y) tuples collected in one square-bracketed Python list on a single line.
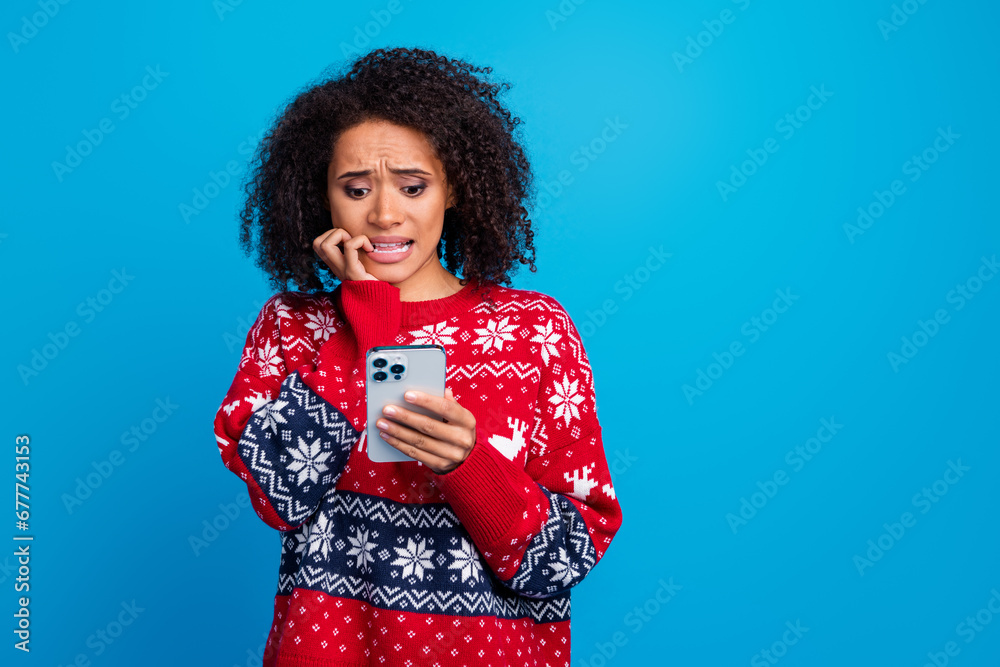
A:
[(285, 442), (543, 528)]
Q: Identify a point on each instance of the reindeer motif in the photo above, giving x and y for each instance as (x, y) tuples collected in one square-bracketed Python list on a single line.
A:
[(510, 447), (582, 484)]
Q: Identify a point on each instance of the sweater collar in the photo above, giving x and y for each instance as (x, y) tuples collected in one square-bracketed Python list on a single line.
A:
[(421, 313), (374, 314), (383, 299)]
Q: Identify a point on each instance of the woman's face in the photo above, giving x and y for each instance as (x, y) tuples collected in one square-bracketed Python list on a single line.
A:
[(385, 182)]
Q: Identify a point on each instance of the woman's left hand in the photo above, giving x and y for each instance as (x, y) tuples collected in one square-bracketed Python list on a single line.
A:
[(440, 446)]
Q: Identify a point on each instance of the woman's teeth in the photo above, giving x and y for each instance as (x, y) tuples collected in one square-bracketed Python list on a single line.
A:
[(390, 247)]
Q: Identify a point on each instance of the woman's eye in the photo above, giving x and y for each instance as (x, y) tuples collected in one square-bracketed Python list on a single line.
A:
[(358, 193)]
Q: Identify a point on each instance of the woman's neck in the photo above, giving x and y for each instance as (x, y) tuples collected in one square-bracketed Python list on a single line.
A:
[(437, 285)]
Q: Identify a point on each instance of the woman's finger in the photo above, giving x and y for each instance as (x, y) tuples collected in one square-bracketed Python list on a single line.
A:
[(429, 459), (326, 247), (353, 267), (331, 236), (429, 427), (430, 451), (447, 407)]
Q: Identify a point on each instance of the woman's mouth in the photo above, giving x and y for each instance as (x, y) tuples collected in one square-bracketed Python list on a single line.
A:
[(388, 253)]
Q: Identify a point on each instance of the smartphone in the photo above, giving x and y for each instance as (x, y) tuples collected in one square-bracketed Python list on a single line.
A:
[(389, 372)]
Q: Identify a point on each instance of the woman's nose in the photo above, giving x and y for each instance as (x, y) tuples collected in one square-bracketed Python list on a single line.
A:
[(387, 209)]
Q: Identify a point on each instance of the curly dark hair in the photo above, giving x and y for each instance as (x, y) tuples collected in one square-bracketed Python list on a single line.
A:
[(485, 233)]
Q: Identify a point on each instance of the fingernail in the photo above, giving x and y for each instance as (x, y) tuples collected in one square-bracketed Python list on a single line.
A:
[(381, 424), (410, 396), (389, 410)]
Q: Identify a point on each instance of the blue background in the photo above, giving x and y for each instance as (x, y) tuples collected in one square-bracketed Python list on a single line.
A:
[(688, 460)]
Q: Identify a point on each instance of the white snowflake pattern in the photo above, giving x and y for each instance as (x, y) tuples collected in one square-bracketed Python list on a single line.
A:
[(269, 357), (272, 415), (434, 334), (322, 324), (495, 334), (414, 558), (307, 463), (563, 570), (301, 538), (361, 547), (321, 536), (466, 561), (566, 399), (548, 339)]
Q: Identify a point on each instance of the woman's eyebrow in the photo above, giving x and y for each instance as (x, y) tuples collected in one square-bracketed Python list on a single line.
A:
[(365, 172)]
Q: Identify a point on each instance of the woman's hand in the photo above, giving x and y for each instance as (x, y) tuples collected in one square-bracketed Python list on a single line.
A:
[(345, 264), (440, 446)]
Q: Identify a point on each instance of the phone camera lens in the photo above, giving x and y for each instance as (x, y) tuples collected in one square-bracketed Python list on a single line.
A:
[(379, 376), (380, 362), (397, 368)]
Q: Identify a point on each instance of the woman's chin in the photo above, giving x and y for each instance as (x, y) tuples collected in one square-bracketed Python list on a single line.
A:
[(390, 273)]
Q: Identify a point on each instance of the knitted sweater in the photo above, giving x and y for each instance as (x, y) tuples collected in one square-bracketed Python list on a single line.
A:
[(392, 564)]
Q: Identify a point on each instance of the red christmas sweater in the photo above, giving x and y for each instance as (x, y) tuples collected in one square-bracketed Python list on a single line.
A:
[(392, 564)]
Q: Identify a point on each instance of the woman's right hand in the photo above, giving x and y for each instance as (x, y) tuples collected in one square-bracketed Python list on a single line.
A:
[(345, 263)]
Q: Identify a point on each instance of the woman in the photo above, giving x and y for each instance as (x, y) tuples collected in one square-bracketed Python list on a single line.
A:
[(466, 554)]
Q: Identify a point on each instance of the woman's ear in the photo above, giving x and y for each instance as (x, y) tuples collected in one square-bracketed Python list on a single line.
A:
[(451, 198)]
